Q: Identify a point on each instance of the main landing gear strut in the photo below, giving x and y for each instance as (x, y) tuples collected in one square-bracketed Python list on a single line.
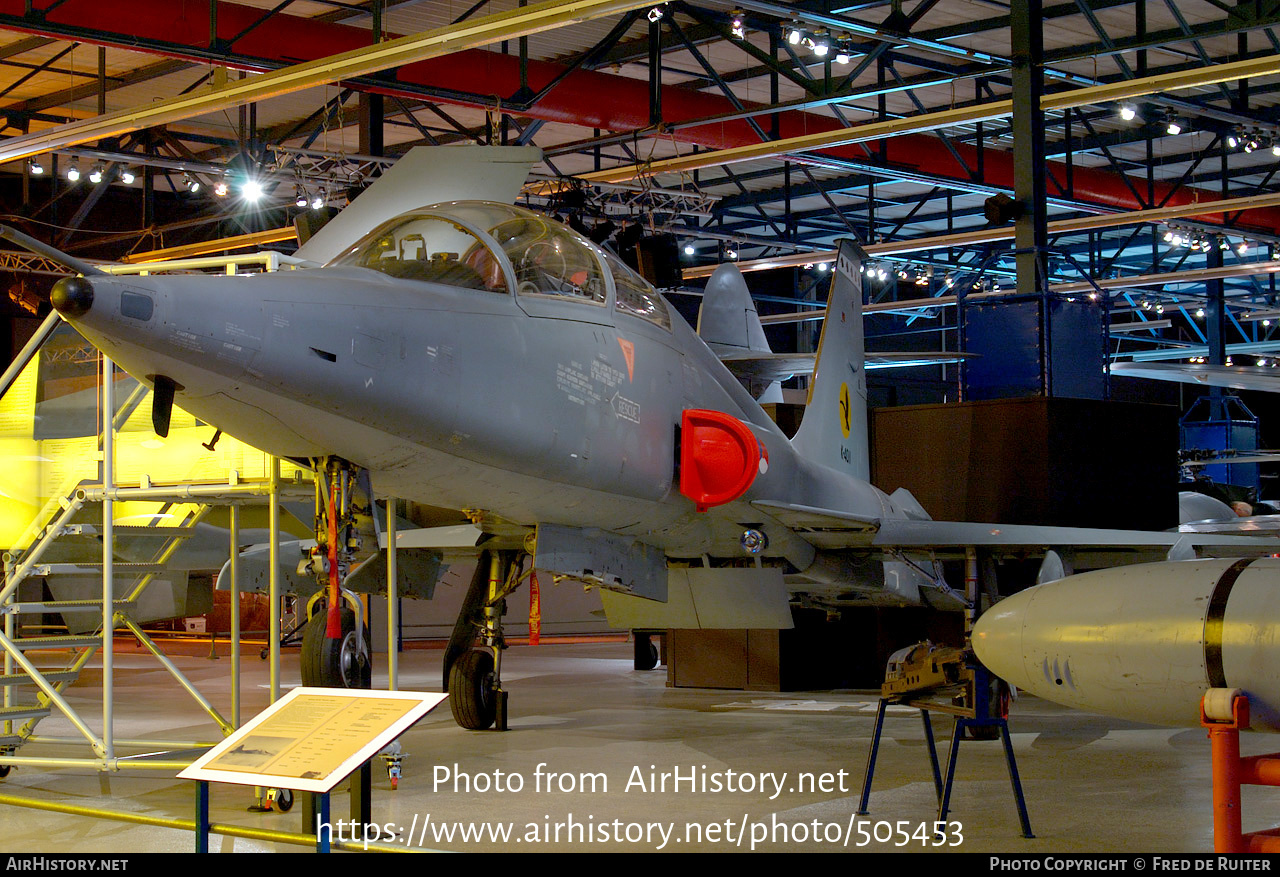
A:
[(473, 657), (335, 643)]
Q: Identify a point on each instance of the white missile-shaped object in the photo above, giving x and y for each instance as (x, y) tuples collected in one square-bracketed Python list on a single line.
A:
[(1144, 642)]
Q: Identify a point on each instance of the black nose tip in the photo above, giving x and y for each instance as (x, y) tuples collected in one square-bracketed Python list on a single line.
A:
[(72, 296)]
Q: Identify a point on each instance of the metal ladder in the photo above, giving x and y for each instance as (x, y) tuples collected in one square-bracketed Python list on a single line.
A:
[(66, 533)]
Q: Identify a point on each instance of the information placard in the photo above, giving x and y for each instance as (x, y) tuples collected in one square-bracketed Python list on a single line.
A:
[(312, 738)]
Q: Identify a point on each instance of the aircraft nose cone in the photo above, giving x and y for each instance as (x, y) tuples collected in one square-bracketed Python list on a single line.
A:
[(72, 296)]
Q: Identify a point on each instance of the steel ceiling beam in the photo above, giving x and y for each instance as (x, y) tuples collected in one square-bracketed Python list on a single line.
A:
[(994, 235), (433, 43), (925, 122)]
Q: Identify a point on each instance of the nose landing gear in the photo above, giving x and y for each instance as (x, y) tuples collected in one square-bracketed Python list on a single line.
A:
[(335, 643)]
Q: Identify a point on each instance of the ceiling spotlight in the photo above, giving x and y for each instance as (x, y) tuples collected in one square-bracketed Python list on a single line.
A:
[(655, 14), (252, 190), (35, 168), (731, 253), (821, 42), (822, 266), (795, 34), (220, 189), (95, 175), (1128, 112), (73, 172), (689, 250), (1200, 313), (127, 176), (192, 184), (1242, 247), (1173, 128), (300, 198), (737, 26), (318, 201), (1233, 140)]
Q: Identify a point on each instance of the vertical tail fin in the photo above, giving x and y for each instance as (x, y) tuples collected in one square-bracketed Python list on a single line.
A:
[(729, 323), (834, 430), (728, 315)]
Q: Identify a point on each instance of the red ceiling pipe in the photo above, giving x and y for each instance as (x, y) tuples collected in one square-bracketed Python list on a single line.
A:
[(587, 98)]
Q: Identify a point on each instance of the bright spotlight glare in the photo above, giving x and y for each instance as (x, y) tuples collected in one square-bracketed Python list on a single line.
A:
[(252, 190)]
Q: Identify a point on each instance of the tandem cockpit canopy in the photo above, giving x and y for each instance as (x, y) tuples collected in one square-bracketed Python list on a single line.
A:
[(455, 244)]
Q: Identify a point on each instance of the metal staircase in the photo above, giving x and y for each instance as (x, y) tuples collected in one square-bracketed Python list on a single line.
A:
[(73, 558), (68, 547)]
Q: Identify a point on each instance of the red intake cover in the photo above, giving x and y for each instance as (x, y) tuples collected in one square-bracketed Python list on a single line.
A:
[(719, 457)]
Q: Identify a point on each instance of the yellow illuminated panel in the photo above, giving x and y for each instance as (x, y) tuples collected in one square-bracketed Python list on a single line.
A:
[(49, 443)]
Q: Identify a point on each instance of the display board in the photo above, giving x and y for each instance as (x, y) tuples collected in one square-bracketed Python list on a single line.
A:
[(312, 738)]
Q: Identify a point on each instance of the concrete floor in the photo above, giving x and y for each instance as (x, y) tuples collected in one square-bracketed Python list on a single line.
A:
[(1092, 784)]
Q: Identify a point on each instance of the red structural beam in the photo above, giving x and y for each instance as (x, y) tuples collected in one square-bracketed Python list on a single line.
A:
[(586, 98)]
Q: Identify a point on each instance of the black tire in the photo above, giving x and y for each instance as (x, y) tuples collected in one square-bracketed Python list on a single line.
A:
[(646, 652), (4, 770), (284, 800), (333, 663), (471, 694)]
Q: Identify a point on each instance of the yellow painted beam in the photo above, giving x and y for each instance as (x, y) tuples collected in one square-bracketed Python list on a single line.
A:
[(991, 235), (239, 242), (924, 122), (471, 34)]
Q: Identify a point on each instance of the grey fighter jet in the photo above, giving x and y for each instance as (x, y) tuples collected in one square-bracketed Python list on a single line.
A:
[(482, 357)]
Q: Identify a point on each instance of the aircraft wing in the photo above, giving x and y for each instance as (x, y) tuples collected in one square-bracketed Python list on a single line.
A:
[(822, 528), (910, 358), (833, 531), (952, 534), (1236, 377), (1256, 525)]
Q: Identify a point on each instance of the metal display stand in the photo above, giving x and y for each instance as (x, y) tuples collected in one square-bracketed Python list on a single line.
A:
[(978, 716)]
